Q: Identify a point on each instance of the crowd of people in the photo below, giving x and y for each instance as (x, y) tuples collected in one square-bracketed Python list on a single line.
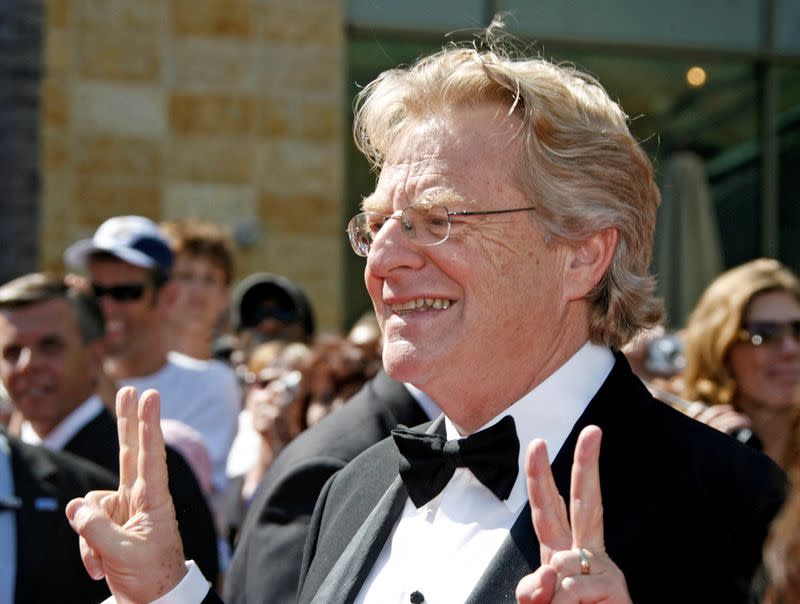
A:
[(533, 432), (240, 374)]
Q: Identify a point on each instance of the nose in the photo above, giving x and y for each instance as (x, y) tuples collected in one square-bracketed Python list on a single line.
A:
[(107, 304), (789, 343), (111, 308), (392, 249)]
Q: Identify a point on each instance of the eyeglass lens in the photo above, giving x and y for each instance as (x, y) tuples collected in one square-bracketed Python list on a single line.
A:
[(772, 332), (124, 292), (422, 223)]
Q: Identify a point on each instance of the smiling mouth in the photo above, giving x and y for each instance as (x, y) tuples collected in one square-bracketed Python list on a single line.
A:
[(35, 391), (423, 304)]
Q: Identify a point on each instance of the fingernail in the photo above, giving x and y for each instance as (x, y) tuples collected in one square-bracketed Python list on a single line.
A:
[(72, 508)]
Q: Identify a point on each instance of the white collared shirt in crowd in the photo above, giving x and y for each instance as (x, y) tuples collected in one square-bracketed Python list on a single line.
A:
[(68, 427)]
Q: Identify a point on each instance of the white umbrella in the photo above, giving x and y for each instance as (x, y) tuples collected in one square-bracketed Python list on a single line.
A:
[(687, 252)]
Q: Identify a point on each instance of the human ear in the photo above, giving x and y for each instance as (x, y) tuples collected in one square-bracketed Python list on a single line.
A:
[(588, 261)]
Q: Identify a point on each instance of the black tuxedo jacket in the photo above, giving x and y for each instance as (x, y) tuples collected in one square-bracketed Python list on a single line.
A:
[(98, 442), (686, 508), (267, 559), (49, 567)]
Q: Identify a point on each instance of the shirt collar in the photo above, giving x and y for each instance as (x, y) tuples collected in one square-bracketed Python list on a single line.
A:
[(58, 438), (550, 410)]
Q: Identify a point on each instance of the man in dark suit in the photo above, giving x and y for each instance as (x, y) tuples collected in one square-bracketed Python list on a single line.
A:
[(267, 559), (45, 560), (51, 339), (647, 514), (507, 245)]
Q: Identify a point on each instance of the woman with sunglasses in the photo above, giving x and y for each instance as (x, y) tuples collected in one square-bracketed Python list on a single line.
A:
[(742, 348)]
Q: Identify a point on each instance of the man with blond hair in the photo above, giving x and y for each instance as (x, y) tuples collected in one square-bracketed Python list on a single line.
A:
[(507, 247)]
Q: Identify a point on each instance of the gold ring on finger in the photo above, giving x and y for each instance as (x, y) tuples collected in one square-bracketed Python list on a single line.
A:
[(583, 555)]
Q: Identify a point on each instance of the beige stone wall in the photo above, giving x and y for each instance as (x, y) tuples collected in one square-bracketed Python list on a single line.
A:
[(230, 110)]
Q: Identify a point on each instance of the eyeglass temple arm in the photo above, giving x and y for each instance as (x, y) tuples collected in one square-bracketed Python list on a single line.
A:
[(486, 212)]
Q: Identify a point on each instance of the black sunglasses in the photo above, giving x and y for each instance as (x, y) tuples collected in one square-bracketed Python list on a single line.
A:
[(124, 292), (772, 333)]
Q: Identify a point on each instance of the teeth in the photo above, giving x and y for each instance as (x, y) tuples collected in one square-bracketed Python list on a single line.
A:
[(423, 304), (407, 306)]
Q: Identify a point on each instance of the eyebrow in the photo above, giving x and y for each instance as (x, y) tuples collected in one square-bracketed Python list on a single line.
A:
[(439, 196), (445, 196), (368, 201)]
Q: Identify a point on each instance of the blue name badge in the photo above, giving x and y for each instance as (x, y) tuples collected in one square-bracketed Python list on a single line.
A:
[(45, 504)]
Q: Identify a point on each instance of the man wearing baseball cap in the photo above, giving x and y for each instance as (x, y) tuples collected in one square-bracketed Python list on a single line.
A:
[(128, 261)]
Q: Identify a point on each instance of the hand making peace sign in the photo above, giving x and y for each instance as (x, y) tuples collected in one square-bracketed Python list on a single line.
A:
[(134, 527), (575, 567)]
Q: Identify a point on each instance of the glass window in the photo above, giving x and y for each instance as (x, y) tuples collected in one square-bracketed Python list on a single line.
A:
[(788, 124)]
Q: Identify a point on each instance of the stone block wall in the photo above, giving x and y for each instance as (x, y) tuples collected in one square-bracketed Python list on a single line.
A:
[(229, 110)]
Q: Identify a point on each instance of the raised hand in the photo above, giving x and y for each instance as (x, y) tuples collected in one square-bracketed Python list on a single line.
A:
[(722, 417), (130, 536), (575, 567)]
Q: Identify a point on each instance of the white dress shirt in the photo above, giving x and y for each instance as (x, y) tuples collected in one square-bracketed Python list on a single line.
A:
[(464, 526), (68, 427)]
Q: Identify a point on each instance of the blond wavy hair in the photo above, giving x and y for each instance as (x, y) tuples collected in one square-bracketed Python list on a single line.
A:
[(716, 322), (579, 165)]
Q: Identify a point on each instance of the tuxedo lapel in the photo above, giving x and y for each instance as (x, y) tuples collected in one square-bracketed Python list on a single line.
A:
[(350, 571), (517, 557), (346, 576)]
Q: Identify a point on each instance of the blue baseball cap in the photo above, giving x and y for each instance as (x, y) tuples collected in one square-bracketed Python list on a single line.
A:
[(133, 239)]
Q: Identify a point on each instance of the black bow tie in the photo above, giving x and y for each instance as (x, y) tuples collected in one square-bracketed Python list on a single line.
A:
[(428, 461)]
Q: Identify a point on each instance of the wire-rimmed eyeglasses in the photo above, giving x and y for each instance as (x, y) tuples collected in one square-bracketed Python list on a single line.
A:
[(423, 223)]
